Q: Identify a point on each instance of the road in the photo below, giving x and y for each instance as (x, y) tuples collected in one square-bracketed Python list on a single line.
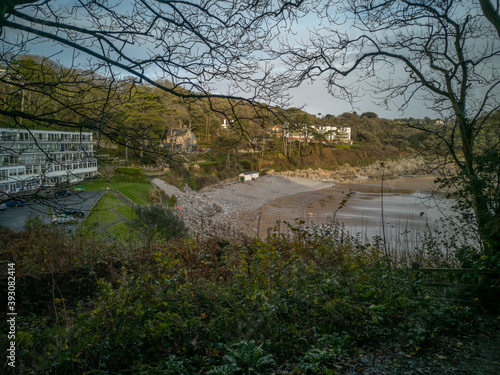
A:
[(14, 218)]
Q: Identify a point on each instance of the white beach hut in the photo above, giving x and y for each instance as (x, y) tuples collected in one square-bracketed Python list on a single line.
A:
[(248, 176)]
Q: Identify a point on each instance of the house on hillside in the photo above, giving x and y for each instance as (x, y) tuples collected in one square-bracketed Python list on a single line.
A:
[(297, 132), (226, 124), (180, 140), (276, 131), (334, 133), (304, 133)]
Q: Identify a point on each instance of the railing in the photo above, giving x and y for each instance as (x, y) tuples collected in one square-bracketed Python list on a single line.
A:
[(464, 284), (483, 283), (123, 197)]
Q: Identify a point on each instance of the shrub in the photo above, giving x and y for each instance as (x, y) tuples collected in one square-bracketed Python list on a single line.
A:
[(192, 182), (274, 305), (131, 171), (245, 357), (155, 222)]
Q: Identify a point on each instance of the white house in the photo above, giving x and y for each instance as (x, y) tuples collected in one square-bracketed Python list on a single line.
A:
[(334, 133), (226, 124), (30, 158), (307, 133)]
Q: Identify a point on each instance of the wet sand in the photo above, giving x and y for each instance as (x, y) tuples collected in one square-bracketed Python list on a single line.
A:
[(253, 207), (409, 203)]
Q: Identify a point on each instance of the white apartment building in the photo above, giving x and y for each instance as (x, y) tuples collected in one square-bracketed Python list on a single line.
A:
[(31, 158), (331, 133)]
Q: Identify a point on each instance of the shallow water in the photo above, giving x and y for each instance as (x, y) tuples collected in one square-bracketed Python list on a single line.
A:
[(366, 212)]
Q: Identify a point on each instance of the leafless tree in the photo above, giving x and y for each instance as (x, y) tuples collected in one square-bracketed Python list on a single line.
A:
[(95, 52), (492, 13), (443, 52), (192, 44)]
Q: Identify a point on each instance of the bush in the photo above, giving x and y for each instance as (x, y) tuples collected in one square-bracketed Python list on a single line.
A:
[(131, 171), (158, 196), (274, 305), (192, 182), (155, 222), (199, 182)]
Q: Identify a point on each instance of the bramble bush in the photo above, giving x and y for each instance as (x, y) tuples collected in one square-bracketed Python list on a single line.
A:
[(291, 304)]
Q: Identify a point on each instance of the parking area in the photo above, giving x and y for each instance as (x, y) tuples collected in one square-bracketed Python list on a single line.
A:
[(14, 218)]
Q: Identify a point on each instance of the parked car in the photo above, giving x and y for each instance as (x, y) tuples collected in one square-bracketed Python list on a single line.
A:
[(63, 193), (14, 203), (73, 212), (3, 206), (62, 219)]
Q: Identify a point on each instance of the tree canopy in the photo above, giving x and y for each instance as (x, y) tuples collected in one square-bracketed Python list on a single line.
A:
[(442, 52), (98, 51)]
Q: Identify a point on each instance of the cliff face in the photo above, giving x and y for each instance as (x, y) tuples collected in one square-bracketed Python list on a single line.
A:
[(346, 173), (330, 158)]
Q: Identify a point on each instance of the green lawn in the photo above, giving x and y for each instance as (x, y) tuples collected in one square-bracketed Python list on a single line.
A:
[(120, 230), (137, 191), (104, 213), (107, 209), (124, 210)]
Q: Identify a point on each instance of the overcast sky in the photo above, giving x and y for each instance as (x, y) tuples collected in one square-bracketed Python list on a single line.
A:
[(311, 97), (314, 98)]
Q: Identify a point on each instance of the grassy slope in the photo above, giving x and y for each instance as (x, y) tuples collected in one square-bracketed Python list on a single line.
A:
[(111, 209), (137, 191)]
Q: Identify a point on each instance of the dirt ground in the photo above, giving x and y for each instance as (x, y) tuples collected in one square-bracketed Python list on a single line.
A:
[(477, 353)]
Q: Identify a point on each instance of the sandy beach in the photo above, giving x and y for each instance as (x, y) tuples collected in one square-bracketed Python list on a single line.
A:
[(254, 206), (233, 208)]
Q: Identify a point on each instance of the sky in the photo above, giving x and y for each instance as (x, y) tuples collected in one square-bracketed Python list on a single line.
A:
[(314, 98), (311, 97)]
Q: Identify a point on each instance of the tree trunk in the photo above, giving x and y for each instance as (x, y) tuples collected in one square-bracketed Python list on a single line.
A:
[(491, 14), (206, 128), (490, 238)]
